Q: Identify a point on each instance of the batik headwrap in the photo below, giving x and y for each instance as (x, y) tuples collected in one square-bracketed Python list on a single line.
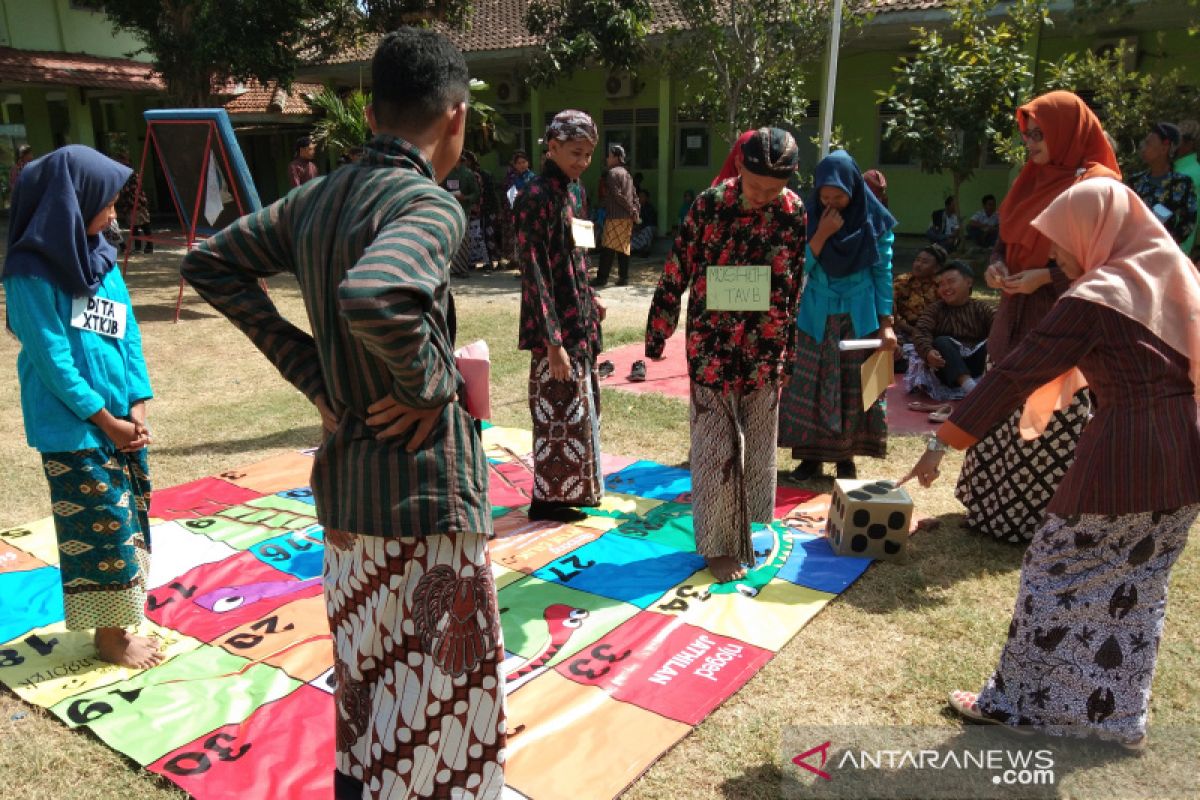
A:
[(571, 124), (772, 153)]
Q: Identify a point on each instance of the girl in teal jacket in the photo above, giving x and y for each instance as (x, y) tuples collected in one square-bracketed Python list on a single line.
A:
[(84, 389), (847, 295)]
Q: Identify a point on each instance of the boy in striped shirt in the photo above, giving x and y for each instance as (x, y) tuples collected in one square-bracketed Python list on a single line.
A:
[(400, 480)]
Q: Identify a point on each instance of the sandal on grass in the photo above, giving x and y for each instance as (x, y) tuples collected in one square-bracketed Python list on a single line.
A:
[(941, 414), (966, 704)]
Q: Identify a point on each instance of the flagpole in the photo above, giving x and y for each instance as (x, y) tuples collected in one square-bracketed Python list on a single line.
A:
[(831, 66)]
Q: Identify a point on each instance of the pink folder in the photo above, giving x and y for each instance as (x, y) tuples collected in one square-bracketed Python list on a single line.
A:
[(475, 366)]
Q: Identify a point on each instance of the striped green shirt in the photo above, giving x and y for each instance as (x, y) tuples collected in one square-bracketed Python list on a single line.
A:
[(370, 247)]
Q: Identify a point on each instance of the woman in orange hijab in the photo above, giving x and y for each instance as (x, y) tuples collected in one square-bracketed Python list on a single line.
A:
[(1007, 481), (1083, 642)]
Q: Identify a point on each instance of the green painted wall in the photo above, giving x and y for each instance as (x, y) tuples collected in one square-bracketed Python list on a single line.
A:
[(90, 32), (914, 194), (54, 25)]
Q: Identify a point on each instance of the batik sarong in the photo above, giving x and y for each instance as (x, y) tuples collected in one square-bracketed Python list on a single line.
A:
[(733, 468), (566, 435), (821, 415), (100, 499), (1007, 481), (418, 694), (461, 265), (1083, 642), (618, 233), (478, 252)]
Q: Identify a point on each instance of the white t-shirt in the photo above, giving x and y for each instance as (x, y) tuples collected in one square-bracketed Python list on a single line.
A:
[(983, 218)]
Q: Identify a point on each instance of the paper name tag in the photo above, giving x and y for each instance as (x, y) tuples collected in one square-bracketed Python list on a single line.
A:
[(99, 315), (584, 233), (738, 288)]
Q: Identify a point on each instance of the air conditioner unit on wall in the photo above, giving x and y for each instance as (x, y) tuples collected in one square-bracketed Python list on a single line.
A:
[(1127, 45), (620, 84), (509, 92)]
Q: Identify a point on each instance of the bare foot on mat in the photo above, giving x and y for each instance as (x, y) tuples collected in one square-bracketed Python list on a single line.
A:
[(725, 568), (124, 649)]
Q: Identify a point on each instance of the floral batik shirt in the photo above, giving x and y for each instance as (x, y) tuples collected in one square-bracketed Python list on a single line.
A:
[(910, 297), (557, 305), (733, 352), (1174, 192)]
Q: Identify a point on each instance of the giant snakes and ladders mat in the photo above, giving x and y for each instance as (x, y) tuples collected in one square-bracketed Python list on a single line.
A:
[(618, 643)]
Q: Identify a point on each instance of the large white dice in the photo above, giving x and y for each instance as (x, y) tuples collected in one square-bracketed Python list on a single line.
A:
[(869, 518)]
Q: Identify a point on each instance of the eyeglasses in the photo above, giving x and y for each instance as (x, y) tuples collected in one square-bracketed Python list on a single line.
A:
[(1033, 135)]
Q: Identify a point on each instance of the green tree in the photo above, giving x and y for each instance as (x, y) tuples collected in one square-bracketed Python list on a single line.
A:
[(1125, 100), (343, 122), (742, 62), (580, 32), (485, 125), (955, 97), (195, 44), (387, 15)]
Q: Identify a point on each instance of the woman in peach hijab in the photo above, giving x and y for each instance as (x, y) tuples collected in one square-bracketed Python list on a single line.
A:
[(1006, 481), (1083, 642)]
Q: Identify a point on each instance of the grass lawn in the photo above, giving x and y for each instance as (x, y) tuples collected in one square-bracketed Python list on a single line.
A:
[(885, 652)]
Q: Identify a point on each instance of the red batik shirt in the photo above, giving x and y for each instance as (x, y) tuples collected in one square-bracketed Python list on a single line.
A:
[(733, 351)]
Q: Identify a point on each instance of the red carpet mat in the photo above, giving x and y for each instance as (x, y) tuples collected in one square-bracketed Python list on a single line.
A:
[(669, 377)]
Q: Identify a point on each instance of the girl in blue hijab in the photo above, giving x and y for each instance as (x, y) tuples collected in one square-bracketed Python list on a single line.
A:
[(84, 388), (847, 295)]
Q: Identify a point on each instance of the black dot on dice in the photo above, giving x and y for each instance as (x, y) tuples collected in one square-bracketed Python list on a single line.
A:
[(896, 520), (859, 543), (891, 548), (861, 518), (877, 531), (857, 495), (876, 489)]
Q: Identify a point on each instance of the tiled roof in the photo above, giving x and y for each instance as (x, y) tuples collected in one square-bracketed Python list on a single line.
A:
[(271, 99), (500, 25), (76, 69)]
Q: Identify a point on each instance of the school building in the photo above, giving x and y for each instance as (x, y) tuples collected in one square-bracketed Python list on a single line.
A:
[(67, 77)]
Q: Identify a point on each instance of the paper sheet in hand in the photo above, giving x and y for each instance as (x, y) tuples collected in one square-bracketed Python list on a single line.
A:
[(584, 233), (877, 374), (859, 344), (475, 365), (738, 288)]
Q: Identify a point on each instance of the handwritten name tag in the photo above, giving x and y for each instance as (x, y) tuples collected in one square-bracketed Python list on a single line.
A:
[(99, 315), (584, 233), (740, 288)]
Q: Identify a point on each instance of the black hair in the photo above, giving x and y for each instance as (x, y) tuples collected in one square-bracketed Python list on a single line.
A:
[(618, 151), (518, 154), (937, 251), (24, 150), (949, 200), (961, 267), (416, 74), (987, 197)]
